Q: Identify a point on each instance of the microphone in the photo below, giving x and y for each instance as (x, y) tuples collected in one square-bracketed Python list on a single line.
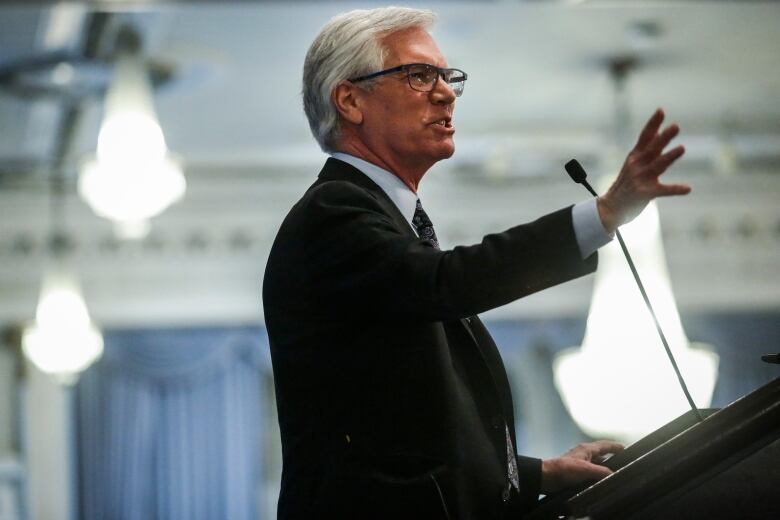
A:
[(578, 175), (771, 358)]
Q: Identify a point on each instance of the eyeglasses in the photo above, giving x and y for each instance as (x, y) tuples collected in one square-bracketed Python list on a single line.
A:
[(423, 77)]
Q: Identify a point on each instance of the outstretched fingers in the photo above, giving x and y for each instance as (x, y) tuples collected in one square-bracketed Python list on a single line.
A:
[(650, 130), (658, 143), (660, 165), (639, 180), (662, 162), (668, 190), (664, 138)]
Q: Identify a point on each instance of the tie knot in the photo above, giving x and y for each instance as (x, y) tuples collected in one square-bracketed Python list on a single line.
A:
[(423, 225)]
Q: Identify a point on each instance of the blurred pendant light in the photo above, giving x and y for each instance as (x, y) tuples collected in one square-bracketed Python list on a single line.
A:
[(620, 384), (133, 177), (63, 341)]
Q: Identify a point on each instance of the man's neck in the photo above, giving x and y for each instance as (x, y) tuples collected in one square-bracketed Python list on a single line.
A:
[(409, 177)]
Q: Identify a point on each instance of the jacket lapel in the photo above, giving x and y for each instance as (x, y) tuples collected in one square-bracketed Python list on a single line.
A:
[(336, 170)]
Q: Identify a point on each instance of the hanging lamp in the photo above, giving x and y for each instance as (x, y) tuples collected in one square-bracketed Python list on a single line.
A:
[(619, 383), (132, 176)]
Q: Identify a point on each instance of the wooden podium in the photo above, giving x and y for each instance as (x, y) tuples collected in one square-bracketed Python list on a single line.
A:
[(724, 467)]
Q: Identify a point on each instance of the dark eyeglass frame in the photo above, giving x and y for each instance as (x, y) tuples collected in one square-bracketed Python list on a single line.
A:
[(441, 72)]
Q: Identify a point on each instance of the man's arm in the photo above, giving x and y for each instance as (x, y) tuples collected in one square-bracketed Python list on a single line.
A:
[(636, 185), (529, 470), (363, 263)]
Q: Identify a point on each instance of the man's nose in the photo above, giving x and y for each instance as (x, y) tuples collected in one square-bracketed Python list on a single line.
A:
[(442, 93)]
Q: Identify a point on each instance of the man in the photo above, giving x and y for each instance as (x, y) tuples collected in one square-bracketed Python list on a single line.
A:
[(393, 400)]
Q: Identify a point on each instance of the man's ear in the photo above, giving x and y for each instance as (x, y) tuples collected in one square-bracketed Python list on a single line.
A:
[(346, 98)]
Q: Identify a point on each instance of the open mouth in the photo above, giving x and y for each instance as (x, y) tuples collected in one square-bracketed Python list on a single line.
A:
[(446, 123)]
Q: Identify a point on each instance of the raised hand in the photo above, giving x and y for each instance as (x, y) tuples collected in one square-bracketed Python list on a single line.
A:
[(576, 465), (638, 182)]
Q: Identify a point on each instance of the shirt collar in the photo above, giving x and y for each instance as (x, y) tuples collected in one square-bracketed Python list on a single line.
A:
[(403, 197)]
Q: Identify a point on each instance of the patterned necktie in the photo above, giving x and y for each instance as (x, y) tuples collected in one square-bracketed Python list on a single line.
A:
[(514, 479), (423, 225)]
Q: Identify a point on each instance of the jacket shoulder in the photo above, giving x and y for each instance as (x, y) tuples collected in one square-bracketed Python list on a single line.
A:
[(334, 192)]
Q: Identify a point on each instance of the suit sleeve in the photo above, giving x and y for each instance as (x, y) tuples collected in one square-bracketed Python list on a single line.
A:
[(361, 263), (530, 473)]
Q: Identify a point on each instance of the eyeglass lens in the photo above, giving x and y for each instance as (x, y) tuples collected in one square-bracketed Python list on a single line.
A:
[(423, 77)]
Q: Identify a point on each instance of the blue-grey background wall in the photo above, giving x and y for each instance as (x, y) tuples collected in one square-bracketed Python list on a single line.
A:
[(180, 423)]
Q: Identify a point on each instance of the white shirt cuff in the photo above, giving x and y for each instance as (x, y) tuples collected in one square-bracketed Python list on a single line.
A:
[(588, 228)]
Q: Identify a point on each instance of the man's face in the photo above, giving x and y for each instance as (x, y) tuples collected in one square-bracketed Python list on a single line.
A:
[(404, 126)]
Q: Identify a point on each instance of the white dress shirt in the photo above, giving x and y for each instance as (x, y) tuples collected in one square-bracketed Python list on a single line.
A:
[(588, 229)]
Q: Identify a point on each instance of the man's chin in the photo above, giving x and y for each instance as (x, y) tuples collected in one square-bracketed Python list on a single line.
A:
[(447, 150)]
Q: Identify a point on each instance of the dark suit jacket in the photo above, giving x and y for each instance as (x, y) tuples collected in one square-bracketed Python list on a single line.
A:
[(392, 396)]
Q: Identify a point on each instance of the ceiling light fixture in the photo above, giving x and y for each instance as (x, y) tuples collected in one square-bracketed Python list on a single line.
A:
[(62, 341), (637, 391), (132, 177)]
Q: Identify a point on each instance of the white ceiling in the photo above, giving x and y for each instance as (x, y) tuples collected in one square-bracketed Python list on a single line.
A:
[(538, 93), (537, 69)]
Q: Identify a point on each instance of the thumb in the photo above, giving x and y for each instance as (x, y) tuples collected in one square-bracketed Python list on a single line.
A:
[(667, 190)]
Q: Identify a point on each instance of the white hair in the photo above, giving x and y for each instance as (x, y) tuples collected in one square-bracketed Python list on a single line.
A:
[(349, 46)]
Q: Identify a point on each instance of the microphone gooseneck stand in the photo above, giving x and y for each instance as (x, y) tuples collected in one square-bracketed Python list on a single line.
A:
[(578, 175)]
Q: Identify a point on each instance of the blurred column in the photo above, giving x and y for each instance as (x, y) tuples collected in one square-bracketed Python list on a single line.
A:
[(47, 435), (11, 461)]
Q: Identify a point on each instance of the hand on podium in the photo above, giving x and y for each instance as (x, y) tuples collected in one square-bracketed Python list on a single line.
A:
[(579, 464)]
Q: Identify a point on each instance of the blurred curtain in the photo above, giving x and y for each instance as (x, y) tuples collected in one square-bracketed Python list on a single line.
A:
[(740, 338), (168, 426), (180, 424)]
